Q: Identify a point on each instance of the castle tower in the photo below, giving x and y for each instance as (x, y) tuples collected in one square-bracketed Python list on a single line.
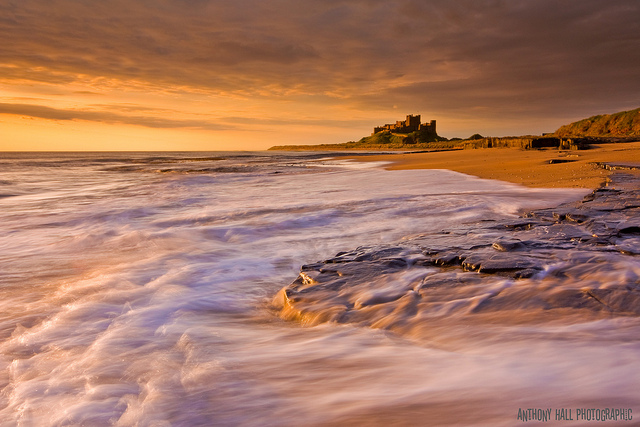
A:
[(412, 123)]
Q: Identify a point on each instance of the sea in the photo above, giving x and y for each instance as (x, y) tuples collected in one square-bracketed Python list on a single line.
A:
[(138, 288)]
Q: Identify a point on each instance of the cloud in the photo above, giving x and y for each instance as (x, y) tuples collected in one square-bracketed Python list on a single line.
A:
[(217, 47), (498, 58), (49, 113), (520, 58), (348, 123), (121, 114)]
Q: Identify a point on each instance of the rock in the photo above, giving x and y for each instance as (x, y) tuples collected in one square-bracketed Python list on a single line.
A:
[(557, 161), (576, 259), (506, 245)]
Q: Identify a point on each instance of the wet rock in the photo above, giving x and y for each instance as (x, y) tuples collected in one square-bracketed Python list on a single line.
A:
[(576, 217), (447, 259), (576, 259), (491, 263), (629, 227), (557, 161), (517, 225), (629, 246), (619, 166), (618, 300), (506, 245)]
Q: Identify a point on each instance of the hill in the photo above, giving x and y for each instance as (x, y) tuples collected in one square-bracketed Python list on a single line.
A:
[(607, 128), (622, 124), (418, 140)]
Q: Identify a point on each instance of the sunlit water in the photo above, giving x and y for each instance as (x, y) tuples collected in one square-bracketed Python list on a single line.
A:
[(135, 290)]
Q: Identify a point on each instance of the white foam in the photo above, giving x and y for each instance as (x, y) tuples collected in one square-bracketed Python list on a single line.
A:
[(350, 163), (141, 300)]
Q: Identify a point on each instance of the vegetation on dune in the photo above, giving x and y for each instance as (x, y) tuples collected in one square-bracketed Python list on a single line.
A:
[(622, 124)]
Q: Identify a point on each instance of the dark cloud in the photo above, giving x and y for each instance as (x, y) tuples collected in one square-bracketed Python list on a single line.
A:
[(44, 112), (153, 119), (538, 59), (503, 58)]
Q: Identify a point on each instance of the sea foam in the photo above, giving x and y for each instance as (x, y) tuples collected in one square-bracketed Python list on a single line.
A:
[(137, 289)]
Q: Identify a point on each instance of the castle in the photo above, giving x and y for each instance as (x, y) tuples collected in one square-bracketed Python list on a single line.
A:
[(411, 124)]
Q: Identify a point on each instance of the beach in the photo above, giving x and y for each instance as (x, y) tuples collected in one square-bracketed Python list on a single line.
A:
[(546, 168)]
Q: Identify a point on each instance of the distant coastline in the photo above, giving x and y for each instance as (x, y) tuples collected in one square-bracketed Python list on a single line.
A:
[(410, 135)]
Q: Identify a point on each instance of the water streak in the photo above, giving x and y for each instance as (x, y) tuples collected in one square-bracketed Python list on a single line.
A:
[(136, 290)]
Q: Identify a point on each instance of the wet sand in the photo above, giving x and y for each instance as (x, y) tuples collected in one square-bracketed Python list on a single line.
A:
[(547, 168), (547, 304)]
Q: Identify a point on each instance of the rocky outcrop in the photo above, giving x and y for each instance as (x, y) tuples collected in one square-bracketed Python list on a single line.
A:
[(579, 260)]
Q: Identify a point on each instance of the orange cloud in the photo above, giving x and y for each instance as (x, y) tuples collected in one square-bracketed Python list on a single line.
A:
[(500, 67)]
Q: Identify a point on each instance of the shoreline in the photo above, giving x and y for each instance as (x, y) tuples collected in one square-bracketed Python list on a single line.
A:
[(543, 168)]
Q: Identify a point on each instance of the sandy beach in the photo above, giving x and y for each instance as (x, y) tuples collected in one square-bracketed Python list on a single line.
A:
[(548, 168)]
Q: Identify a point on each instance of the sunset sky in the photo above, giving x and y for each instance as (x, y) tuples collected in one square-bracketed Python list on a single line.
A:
[(249, 74)]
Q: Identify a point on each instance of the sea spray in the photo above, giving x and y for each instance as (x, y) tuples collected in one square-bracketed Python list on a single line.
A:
[(137, 288)]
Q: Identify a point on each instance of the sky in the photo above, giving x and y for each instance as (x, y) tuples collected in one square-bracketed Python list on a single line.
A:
[(248, 74)]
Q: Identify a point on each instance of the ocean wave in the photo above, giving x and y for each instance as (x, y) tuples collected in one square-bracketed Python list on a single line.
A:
[(574, 263)]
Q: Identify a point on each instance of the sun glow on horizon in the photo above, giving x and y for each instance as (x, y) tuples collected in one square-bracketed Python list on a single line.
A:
[(220, 76)]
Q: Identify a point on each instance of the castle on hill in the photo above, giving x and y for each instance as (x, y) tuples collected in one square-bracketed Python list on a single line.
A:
[(411, 124)]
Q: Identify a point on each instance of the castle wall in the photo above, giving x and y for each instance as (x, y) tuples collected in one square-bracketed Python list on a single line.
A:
[(410, 124)]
